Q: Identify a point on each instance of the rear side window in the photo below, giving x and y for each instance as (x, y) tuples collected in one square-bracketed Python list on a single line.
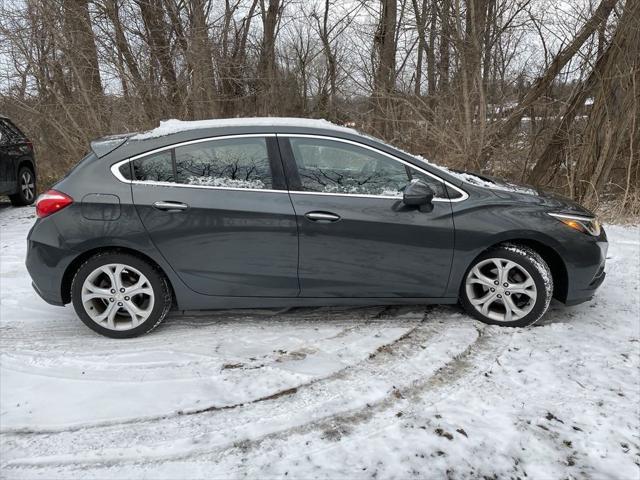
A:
[(9, 133), (235, 162), (231, 163)]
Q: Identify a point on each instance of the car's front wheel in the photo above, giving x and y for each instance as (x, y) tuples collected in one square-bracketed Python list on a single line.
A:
[(119, 295), (510, 285)]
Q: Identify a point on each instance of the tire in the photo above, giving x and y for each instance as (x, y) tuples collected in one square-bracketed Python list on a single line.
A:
[(528, 290), (26, 188), (103, 307)]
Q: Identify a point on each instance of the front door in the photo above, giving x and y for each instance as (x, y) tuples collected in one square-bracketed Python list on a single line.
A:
[(219, 213), (357, 238)]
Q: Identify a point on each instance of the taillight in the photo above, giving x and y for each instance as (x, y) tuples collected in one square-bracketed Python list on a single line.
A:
[(51, 202)]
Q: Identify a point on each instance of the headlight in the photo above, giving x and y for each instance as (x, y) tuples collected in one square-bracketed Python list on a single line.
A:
[(588, 225)]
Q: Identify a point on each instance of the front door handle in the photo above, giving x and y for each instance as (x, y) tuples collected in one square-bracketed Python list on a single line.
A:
[(171, 206), (322, 217)]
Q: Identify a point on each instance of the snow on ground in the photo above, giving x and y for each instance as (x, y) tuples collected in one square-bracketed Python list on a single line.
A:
[(321, 393)]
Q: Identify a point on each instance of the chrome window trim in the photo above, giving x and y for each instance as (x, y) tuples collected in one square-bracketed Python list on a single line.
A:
[(115, 168), (464, 194)]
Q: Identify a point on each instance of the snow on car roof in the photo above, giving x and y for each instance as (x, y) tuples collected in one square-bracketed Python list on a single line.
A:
[(168, 127)]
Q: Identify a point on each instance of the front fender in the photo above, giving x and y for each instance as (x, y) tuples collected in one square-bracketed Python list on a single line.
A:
[(483, 225)]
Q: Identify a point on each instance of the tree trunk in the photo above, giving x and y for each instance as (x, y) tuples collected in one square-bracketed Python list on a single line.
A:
[(384, 80), (233, 61), (431, 52), (111, 9), (267, 65), (200, 60), (610, 127), (445, 40), (82, 46), (472, 80), (152, 13), (549, 161), (331, 62), (420, 14), (542, 84)]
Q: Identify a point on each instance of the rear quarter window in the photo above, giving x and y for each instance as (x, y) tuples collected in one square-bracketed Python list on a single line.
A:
[(157, 167), (9, 133)]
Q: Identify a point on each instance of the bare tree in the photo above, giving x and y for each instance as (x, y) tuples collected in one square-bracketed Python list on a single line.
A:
[(267, 66), (385, 74), (612, 125), (492, 85), (544, 81)]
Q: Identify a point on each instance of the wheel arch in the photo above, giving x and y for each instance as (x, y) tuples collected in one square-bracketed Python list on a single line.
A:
[(72, 268), (549, 254), (26, 162)]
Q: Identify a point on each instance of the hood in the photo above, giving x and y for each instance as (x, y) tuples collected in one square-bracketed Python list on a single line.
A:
[(523, 193), (562, 204)]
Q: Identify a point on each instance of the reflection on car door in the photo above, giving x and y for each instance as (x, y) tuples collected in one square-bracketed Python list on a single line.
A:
[(219, 212), (357, 238)]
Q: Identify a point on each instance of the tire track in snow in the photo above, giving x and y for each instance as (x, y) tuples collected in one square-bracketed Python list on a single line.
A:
[(316, 407), (383, 313), (26, 359), (31, 435), (449, 377)]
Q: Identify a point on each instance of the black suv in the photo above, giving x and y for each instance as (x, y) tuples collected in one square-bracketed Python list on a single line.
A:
[(17, 164), (293, 212)]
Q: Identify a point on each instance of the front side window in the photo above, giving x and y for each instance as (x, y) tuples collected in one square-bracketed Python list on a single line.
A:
[(330, 166), (235, 163)]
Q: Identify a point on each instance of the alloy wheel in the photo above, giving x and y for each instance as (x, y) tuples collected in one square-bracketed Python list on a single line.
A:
[(117, 296), (27, 185), (501, 290)]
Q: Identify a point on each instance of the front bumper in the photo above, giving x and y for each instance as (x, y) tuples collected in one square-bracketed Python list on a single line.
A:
[(587, 272)]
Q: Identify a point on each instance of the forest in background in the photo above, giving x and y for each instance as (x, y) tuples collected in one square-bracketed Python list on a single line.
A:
[(536, 91)]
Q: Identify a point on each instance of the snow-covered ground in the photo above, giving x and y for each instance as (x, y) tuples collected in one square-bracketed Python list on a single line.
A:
[(322, 393)]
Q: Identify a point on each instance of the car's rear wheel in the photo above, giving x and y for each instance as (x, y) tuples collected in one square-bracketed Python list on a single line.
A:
[(26, 188), (120, 295), (510, 285)]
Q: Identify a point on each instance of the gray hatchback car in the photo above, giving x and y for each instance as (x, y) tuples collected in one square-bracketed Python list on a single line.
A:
[(272, 212)]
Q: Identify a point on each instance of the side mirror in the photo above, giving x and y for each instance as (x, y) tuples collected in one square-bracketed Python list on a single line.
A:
[(417, 193)]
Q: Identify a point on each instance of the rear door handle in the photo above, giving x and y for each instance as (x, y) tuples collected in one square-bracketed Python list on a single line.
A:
[(171, 206), (322, 217)]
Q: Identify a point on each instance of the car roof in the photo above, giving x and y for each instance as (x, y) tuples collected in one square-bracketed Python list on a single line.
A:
[(169, 127), (177, 131), (171, 132)]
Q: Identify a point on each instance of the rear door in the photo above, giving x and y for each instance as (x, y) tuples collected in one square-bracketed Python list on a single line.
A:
[(219, 212), (357, 238)]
